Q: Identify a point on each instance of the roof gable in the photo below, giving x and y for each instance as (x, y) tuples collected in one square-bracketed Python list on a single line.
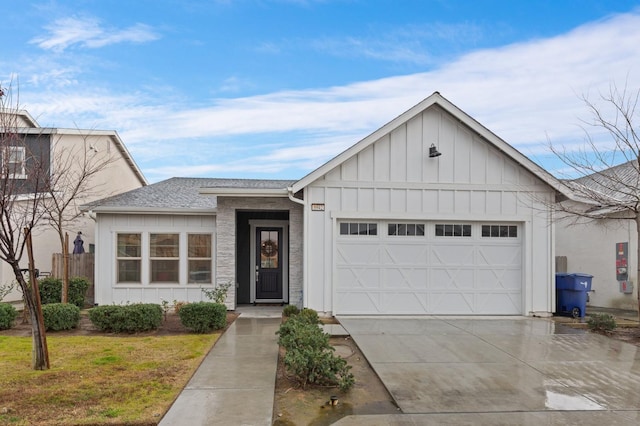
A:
[(434, 99)]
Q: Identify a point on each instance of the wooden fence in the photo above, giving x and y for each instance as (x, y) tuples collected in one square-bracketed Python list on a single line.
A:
[(80, 265)]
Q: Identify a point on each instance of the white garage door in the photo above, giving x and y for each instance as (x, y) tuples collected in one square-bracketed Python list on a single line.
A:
[(438, 268)]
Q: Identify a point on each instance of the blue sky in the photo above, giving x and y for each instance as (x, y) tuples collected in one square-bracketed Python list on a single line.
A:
[(274, 88)]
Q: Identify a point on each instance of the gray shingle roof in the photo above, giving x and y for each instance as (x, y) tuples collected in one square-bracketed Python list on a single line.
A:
[(179, 194), (616, 185)]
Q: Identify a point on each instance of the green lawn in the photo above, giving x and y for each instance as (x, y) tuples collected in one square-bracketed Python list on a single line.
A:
[(97, 380)]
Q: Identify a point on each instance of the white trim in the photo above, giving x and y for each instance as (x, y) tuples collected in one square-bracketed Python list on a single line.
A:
[(245, 192), (284, 226)]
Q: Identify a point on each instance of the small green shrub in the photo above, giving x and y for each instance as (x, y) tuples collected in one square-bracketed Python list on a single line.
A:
[(127, 318), (290, 310), (218, 294), (202, 317), (8, 315), (60, 316), (601, 322), (51, 290), (308, 315), (309, 357)]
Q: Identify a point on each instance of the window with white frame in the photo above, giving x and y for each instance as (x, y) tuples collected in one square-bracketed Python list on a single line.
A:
[(129, 257), (358, 228), (406, 229), (13, 162), (164, 258), (453, 230), (499, 231), (199, 258)]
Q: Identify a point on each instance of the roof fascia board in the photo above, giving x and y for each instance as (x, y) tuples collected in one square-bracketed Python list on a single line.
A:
[(245, 192), (147, 210)]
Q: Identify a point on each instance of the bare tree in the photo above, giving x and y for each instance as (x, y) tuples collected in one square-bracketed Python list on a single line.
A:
[(23, 186), (72, 182), (606, 174)]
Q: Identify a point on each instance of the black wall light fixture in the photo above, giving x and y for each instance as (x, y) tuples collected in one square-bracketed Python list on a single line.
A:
[(433, 151)]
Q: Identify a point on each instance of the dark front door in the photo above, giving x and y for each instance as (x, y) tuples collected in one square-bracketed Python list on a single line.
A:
[(268, 263)]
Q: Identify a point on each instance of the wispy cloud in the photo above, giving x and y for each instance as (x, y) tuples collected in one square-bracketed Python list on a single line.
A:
[(411, 44), (90, 33), (524, 92)]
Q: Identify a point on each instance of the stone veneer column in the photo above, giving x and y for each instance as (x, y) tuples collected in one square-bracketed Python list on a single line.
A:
[(226, 241)]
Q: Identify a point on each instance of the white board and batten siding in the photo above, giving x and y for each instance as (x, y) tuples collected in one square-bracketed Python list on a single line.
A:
[(109, 291), (393, 181)]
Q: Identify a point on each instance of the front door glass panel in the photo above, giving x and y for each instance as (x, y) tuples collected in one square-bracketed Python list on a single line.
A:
[(269, 250)]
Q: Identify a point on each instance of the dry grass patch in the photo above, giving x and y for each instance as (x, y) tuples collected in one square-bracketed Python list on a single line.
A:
[(97, 379)]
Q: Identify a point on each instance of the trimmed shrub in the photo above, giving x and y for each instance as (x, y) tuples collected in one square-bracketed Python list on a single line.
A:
[(126, 318), (202, 317), (601, 322), (309, 316), (60, 316), (8, 315), (51, 290), (290, 310), (309, 357)]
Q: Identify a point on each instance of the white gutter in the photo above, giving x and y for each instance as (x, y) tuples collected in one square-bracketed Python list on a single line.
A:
[(294, 199)]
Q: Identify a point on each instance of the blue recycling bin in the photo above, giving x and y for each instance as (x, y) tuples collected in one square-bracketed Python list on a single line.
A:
[(571, 293)]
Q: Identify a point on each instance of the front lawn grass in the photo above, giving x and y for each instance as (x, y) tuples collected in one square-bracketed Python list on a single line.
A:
[(97, 380)]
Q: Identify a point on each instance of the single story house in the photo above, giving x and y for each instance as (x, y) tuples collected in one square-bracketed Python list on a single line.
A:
[(430, 214), (604, 245)]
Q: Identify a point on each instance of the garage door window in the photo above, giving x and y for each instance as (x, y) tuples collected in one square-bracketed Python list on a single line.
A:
[(453, 230), (499, 231), (358, 228), (406, 229)]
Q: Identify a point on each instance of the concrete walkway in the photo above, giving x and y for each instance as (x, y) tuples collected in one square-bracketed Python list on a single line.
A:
[(235, 383)]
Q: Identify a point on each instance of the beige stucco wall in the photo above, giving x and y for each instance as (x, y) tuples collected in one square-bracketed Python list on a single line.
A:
[(590, 248)]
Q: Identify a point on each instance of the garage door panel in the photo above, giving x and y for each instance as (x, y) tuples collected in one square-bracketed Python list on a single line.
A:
[(451, 279), (397, 254), (453, 303), (399, 279), (405, 303), (359, 303), (499, 279), (498, 303), (501, 255), (360, 278), (427, 274), (359, 254)]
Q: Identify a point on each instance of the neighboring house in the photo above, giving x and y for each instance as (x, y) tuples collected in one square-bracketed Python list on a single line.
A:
[(53, 146), (604, 248), (386, 227)]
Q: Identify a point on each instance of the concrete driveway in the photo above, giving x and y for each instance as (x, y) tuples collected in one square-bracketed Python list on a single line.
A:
[(488, 371)]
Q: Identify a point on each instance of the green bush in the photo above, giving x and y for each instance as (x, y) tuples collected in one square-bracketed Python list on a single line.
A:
[(308, 315), (8, 315), (202, 317), (60, 316), (309, 357), (601, 322), (126, 318), (290, 310), (51, 290)]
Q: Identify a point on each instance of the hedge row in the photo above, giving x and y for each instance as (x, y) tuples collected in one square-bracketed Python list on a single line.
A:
[(126, 318), (51, 290), (202, 317)]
